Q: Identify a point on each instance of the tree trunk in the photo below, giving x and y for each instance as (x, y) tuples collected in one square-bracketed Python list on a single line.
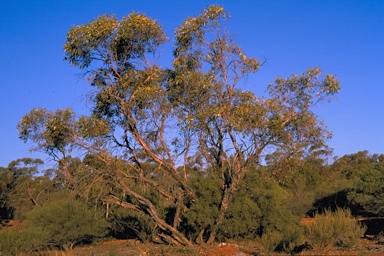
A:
[(220, 218), (228, 194), (177, 217), (199, 238), (149, 208)]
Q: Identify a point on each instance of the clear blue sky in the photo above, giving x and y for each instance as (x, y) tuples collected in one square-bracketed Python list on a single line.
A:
[(345, 38)]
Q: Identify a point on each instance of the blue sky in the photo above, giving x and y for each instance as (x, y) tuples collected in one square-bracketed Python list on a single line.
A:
[(345, 38)]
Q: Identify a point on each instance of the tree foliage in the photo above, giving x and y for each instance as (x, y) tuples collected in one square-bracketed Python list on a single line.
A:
[(154, 131)]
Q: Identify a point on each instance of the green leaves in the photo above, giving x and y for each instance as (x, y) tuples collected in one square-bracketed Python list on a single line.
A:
[(56, 131), (50, 131), (136, 35), (109, 41), (292, 121), (193, 30), (93, 127), (299, 92), (59, 129), (87, 42), (248, 112)]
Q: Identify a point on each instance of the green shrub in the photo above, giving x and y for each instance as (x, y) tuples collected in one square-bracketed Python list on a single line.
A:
[(368, 190), (202, 213), (258, 211), (334, 229), (130, 225), (16, 241), (67, 222), (282, 239), (269, 240)]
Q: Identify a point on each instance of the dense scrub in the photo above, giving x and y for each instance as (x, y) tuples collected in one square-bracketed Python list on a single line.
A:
[(261, 212)]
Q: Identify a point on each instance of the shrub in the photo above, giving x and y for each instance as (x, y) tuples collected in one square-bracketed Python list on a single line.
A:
[(130, 225), (258, 211), (269, 241), (368, 189), (67, 222), (16, 241), (282, 239), (337, 228), (201, 215)]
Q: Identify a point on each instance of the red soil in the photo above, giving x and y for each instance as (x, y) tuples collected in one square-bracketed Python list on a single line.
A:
[(225, 250)]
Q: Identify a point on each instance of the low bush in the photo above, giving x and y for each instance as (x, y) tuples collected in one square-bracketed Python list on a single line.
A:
[(67, 222), (15, 241), (330, 229)]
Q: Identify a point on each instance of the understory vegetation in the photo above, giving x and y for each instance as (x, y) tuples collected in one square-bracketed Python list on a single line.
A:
[(262, 211), (186, 155)]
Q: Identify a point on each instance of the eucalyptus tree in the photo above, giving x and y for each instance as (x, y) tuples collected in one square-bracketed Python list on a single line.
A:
[(152, 129)]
